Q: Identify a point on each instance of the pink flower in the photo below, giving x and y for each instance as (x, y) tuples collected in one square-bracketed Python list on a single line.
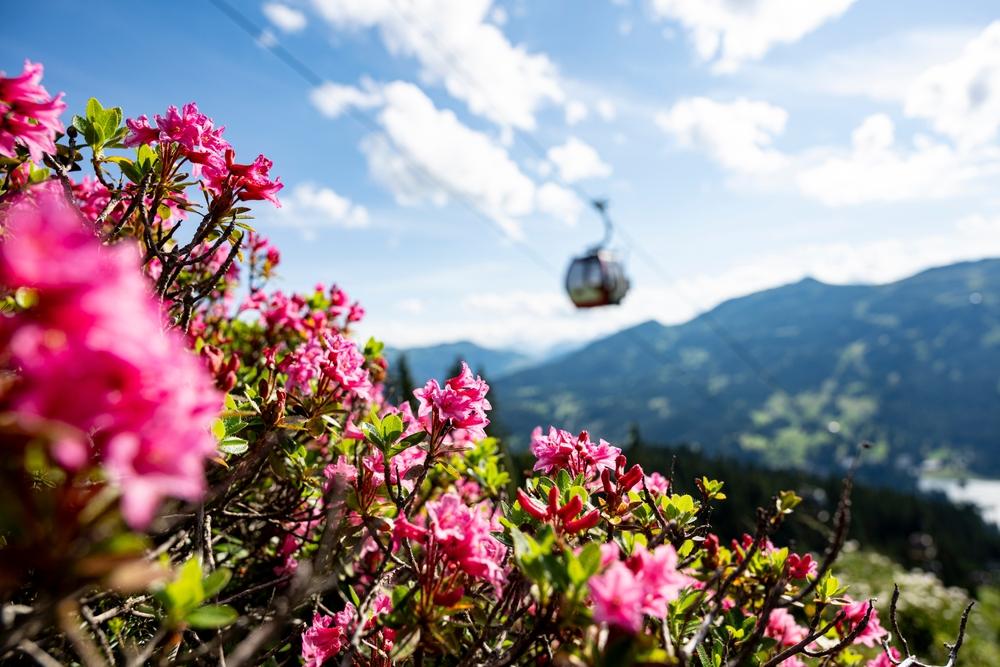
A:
[(782, 627), (91, 197), (28, 115), (327, 636), (800, 567), (144, 399), (247, 182), (661, 581), (855, 614), (561, 450), (618, 598), (657, 484), (190, 129), (463, 535), (646, 583), (342, 469), (460, 404), (609, 553), (399, 466), (328, 362)]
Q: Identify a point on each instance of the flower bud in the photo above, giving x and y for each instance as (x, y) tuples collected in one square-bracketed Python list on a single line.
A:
[(585, 522), (571, 508), (531, 506)]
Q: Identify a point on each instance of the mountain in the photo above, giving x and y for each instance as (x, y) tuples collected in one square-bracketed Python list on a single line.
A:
[(434, 361), (796, 375)]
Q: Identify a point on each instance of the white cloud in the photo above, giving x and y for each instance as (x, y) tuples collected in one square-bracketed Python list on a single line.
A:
[(737, 134), (505, 316), (961, 98), (309, 207), (426, 154), (881, 69), (576, 111), (730, 32), (499, 16), (333, 99), (559, 203), (577, 160), (284, 17), (411, 305), (606, 110), (457, 46), (876, 170)]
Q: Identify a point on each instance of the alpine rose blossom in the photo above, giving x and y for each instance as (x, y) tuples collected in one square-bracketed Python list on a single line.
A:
[(854, 614), (327, 636), (646, 583), (461, 403), (782, 627), (561, 450), (328, 362), (187, 127), (142, 403), (617, 596), (29, 116)]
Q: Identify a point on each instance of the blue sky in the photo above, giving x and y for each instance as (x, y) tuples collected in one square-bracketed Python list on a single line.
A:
[(743, 144)]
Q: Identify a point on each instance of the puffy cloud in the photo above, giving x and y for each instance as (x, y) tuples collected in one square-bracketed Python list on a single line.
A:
[(426, 154), (606, 110), (737, 134), (559, 203), (309, 207), (729, 32), (575, 112), (284, 17), (876, 170), (961, 98), (333, 99), (577, 160), (457, 45)]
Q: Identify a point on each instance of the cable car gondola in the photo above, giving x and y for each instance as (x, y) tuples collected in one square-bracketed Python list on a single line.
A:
[(597, 277)]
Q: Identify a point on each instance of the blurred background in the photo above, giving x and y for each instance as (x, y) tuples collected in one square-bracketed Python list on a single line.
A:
[(804, 198)]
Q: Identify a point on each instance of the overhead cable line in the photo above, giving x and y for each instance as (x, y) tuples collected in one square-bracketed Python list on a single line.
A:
[(314, 79), (737, 348)]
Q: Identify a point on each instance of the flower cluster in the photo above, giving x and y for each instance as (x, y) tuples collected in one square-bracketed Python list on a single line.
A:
[(458, 544), (212, 157), (642, 585), (29, 116), (142, 404), (326, 496), (460, 404), (328, 363), (561, 450)]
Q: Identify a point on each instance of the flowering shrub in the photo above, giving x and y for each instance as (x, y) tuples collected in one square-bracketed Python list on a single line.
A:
[(194, 476)]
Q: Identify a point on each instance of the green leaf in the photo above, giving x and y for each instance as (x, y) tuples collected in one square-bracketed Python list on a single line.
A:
[(94, 109), (371, 432), (216, 581), (392, 428), (185, 592), (590, 558), (212, 616)]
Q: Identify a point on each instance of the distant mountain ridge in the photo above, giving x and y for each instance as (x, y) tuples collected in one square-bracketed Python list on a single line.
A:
[(433, 361), (913, 366)]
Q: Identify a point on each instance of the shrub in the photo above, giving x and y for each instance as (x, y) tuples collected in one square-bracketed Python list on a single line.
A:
[(198, 474)]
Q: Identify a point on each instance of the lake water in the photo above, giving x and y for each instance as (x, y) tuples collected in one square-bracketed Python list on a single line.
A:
[(982, 492)]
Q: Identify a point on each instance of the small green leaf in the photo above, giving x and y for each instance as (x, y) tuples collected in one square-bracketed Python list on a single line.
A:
[(212, 616), (216, 581)]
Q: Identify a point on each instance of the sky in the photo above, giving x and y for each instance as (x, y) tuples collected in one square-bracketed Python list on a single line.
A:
[(441, 168)]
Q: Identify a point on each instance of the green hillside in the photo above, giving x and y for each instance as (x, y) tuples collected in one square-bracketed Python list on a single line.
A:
[(913, 366)]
